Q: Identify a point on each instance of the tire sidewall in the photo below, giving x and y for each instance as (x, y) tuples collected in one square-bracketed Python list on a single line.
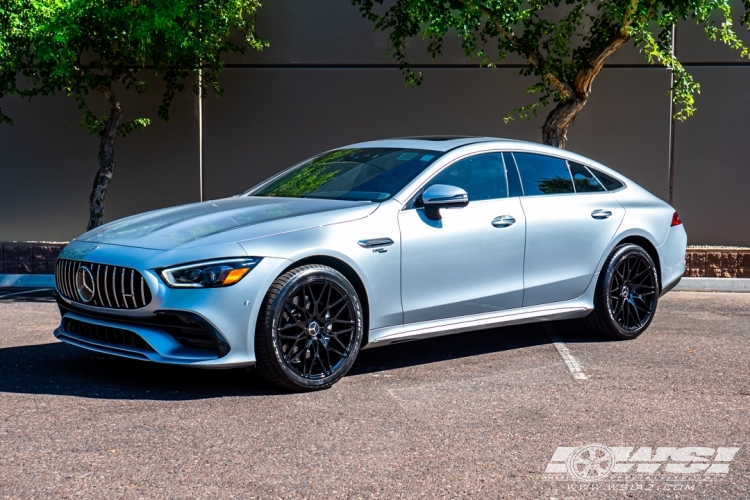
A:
[(620, 254), (301, 277)]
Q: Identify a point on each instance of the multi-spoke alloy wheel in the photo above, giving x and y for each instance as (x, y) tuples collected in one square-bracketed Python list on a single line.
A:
[(309, 330), (316, 329), (632, 292), (626, 294)]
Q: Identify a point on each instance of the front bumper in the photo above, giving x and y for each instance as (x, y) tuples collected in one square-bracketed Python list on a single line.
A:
[(208, 328), (173, 337)]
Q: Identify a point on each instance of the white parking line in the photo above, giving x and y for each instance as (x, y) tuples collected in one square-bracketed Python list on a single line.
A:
[(21, 293), (570, 361)]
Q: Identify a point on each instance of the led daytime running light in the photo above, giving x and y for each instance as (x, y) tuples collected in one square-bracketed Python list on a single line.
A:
[(209, 274)]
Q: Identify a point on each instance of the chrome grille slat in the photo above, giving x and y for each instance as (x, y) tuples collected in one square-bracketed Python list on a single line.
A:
[(99, 302), (71, 279), (64, 276), (132, 289), (114, 286), (76, 267), (122, 295), (122, 289), (104, 283), (68, 277)]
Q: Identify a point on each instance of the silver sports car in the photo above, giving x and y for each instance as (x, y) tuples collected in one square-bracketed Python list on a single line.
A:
[(371, 244)]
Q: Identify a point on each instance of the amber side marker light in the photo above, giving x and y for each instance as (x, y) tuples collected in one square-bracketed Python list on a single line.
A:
[(234, 276)]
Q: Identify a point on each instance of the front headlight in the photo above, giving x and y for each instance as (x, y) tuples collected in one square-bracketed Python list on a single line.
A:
[(210, 274)]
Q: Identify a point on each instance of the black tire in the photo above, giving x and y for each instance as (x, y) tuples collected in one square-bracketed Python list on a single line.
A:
[(626, 295), (309, 329)]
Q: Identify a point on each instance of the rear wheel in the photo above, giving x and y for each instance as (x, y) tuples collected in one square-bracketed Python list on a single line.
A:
[(626, 294), (309, 329)]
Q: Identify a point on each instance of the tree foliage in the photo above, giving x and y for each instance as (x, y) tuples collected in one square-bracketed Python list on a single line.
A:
[(78, 47), (565, 42)]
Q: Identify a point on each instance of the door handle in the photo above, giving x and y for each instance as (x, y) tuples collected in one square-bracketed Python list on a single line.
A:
[(503, 221), (601, 214)]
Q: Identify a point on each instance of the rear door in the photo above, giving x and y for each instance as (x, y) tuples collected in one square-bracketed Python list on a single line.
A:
[(570, 220)]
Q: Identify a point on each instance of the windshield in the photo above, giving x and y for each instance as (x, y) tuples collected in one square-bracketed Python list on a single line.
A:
[(368, 174)]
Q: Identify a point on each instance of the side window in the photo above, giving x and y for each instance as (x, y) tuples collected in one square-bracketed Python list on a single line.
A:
[(609, 182), (482, 176), (542, 174), (583, 180)]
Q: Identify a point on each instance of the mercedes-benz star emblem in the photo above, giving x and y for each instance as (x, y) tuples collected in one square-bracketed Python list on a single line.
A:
[(313, 329), (85, 284)]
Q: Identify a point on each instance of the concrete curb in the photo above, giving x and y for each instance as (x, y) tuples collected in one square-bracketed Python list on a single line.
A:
[(29, 280), (713, 285)]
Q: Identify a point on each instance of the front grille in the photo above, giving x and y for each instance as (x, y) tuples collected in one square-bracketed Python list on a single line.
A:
[(101, 333), (113, 286)]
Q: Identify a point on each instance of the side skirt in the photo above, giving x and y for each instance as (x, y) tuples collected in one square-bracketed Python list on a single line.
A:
[(548, 312)]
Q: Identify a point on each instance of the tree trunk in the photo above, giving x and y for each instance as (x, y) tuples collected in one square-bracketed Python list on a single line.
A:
[(106, 159), (555, 128)]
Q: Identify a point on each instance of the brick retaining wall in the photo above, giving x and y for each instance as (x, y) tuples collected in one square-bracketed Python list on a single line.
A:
[(717, 263), (29, 258)]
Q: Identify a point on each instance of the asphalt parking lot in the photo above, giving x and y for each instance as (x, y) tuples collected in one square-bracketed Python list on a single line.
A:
[(471, 416)]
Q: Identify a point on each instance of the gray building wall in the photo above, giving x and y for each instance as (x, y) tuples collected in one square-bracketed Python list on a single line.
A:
[(325, 82)]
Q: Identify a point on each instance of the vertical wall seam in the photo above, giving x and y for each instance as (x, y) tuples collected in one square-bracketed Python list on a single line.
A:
[(200, 135), (672, 123)]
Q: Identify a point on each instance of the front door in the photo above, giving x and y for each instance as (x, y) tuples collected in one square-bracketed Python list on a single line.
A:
[(471, 260)]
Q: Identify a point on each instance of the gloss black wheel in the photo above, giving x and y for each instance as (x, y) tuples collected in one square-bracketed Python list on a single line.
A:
[(309, 330), (626, 295), (632, 291)]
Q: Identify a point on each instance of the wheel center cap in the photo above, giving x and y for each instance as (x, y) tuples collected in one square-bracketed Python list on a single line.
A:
[(313, 329), (624, 292)]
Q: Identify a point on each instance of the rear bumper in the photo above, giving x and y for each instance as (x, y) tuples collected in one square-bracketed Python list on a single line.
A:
[(672, 256), (670, 286)]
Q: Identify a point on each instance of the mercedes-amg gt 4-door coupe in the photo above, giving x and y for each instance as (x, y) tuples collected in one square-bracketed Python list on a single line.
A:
[(370, 244)]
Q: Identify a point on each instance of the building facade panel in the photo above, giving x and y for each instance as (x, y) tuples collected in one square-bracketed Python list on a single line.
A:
[(331, 32), (48, 164), (712, 167), (693, 46), (272, 118)]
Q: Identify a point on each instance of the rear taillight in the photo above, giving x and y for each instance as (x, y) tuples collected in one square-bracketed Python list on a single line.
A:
[(675, 220)]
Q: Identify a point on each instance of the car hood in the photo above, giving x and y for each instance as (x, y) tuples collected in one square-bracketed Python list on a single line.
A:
[(228, 220)]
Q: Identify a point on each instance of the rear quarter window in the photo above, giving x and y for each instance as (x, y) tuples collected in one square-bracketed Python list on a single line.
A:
[(609, 182), (584, 181)]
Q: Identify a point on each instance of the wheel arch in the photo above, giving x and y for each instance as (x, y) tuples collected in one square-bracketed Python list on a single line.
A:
[(649, 247), (350, 274)]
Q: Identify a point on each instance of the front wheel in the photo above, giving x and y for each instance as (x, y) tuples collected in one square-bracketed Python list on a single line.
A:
[(309, 329), (626, 294)]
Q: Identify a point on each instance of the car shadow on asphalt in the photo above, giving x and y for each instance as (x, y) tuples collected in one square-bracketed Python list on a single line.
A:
[(465, 345), (61, 369)]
